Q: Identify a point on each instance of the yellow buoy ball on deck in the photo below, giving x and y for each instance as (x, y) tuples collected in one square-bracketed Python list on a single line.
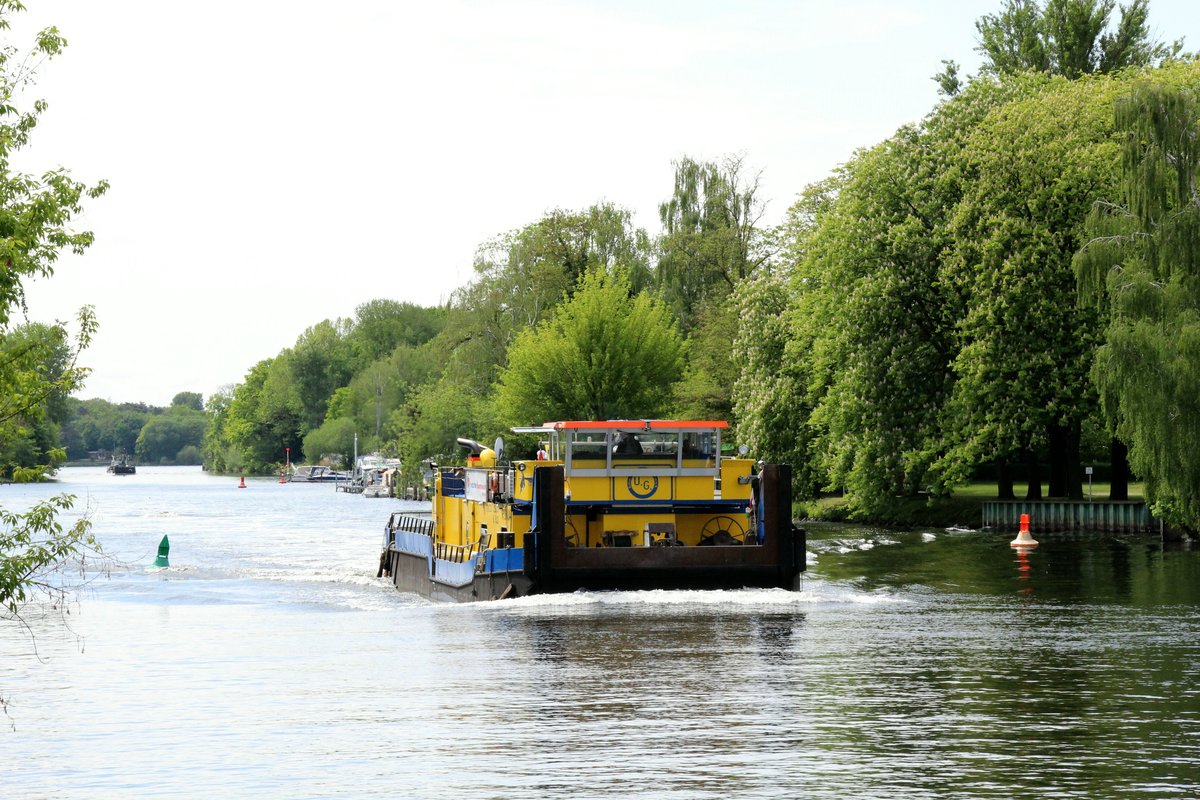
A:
[(487, 457)]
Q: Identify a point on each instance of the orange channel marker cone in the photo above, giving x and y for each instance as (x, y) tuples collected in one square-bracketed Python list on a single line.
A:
[(1023, 538), (242, 485)]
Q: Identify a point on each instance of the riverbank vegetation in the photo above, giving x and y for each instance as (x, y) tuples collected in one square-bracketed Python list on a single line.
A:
[(1004, 289), (94, 430), (39, 363)]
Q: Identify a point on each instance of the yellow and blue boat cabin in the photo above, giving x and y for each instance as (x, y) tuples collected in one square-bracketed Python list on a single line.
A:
[(619, 504)]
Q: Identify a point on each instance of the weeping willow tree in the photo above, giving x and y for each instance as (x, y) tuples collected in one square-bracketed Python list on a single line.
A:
[(1143, 263)]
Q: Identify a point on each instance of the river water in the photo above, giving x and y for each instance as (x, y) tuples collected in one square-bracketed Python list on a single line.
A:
[(268, 662)]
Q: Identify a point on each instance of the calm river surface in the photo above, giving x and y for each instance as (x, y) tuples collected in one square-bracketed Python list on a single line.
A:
[(269, 662)]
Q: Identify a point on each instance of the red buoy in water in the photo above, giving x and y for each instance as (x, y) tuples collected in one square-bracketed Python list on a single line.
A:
[(242, 485), (1023, 538)]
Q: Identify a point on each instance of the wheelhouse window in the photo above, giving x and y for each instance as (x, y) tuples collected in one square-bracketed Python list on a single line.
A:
[(699, 445), (587, 446), (640, 449), (639, 443)]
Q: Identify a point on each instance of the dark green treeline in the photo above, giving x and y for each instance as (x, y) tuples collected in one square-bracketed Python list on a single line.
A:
[(916, 321)]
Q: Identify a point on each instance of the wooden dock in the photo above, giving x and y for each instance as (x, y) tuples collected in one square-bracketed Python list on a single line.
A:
[(1114, 516)]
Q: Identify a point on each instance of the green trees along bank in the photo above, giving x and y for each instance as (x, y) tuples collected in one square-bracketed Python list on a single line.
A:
[(914, 323), (602, 354), (96, 429), (1141, 268), (922, 317), (1005, 289), (933, 319), (39, 363)]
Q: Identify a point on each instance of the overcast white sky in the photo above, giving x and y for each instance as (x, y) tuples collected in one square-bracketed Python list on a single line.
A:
[(274, 164)]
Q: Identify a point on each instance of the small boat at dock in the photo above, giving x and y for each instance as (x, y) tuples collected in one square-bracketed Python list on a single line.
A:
[(374, 475), (627, 504), (317, 474)]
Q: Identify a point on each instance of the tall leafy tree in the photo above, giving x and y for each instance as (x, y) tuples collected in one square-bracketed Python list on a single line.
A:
[(1014, 40), (771, 404), (436, 415), (712, 238), (192, 400), (35, 212), (317, 365), (706, 389), (263, 418), (382, 325), (369, 404), (602, 355), (1038, 164), (886, 336), (1143, 264), (165, 436), (866, 368), (335, 437), (38, 367), (35, 227), (522, 276), (218, 451), (712, 242), (1063, 37), (782, 312)]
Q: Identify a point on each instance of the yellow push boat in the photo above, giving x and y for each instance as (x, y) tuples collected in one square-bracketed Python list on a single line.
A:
[(625, 504)]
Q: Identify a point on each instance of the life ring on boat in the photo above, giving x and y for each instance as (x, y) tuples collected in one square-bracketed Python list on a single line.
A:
[(493, 485)]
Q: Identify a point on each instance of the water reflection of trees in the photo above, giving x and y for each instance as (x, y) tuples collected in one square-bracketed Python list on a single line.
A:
[(1077, 683), (1065, 567), (917, 691)]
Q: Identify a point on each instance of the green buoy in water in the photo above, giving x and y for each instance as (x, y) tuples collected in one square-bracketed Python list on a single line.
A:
[(164, 547)]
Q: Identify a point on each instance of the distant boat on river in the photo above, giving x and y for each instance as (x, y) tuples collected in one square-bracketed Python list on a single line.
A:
[(121, 465)]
